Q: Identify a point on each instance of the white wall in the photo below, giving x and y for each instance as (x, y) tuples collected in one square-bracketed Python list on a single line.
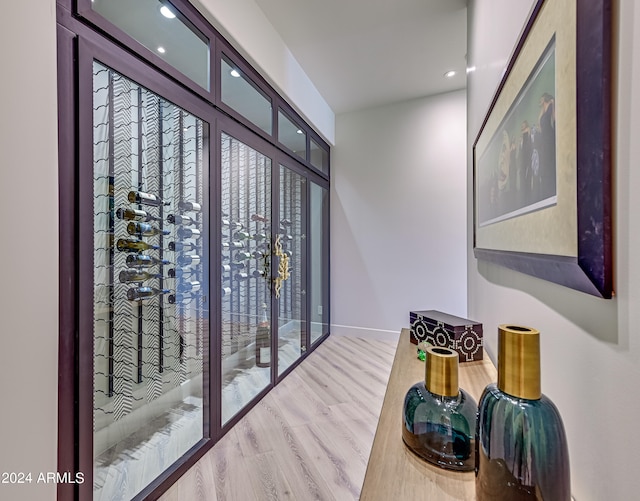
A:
[(398, 212), (590, 346), (29, 249), (244, 24)]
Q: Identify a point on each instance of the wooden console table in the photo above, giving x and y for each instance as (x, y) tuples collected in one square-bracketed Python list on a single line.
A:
[(394, 472)]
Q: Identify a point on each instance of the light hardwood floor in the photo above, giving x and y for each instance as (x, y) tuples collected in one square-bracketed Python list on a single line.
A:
[(308, 439)]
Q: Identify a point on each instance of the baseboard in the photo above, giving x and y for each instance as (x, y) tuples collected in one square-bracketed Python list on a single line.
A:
[(366, 332)]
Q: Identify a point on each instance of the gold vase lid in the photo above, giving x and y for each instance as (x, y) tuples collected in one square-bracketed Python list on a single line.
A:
[(519, 361), (441, 371)]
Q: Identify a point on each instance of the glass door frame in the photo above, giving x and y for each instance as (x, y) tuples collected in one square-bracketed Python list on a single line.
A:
[(325, 256), (285, 161), (79, 43), (310, 176), (228, 126), (77, 211)]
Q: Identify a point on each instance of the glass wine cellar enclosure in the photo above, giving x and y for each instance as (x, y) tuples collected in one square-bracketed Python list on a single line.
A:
[(194, 242)]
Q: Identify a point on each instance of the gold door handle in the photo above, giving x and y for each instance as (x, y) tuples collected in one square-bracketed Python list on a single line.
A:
[(283, 266)]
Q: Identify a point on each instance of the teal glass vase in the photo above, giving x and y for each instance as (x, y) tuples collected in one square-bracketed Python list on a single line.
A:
[(521, 446), (439, 418)]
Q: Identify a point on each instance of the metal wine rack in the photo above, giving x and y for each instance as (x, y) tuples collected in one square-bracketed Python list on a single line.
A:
[(250, 240), (246, 212), (144, 348)]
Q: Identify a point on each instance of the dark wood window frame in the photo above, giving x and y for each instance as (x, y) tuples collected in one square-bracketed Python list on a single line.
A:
[(83, 38), (218, 45)]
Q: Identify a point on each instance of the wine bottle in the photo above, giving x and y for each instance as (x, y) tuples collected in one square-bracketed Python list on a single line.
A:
[(192, 286), (182, 298), (139, 197), (180, 219), (226, 268), (181, 272), (188, 233), (232, 245), (258, 237), (232, 225), (259, 273), (258, 254), (140, 293), (135, 260), (242, 255), (241, 235), (182, 246), (285, 222), (190, 206), (258, 217), (241, 276), (127, 245), (135, 215), (188, 259), (263, 339), (226, 291), (132, 275), (145, 229)]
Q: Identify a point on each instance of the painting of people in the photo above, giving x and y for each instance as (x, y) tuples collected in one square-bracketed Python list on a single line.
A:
[(516, 172)]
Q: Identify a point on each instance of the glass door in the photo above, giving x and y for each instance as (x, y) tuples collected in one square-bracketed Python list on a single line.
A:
[(185, 253), (150, 283), (245, 191), (290, 248), (319, 261)]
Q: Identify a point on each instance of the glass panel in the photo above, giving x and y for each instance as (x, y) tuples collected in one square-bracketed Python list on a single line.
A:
[(292, 135), (158, 26), (291, 245), (319, 262), (238, 92), (319, 157), (150, 288), (246, 214)]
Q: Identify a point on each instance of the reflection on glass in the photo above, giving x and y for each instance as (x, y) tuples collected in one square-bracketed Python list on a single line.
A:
[(239, 93), (174, 39), (292, 301), (292, 135), (148, 161), (319, 157), (245, 308), (319, 207)]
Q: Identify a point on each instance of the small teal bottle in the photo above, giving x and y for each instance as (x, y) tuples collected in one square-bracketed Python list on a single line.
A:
[(522, 451), (439, 418)]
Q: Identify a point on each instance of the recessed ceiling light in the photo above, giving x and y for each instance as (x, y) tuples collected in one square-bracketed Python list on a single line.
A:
[(234, 73), (161, 50), (167, 12), (299, 131), (449, 73)]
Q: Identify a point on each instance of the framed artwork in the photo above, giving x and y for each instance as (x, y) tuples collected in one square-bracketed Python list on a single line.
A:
[(542, 157)]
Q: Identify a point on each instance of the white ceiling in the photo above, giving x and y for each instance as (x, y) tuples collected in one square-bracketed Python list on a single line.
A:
[(366, 53)]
